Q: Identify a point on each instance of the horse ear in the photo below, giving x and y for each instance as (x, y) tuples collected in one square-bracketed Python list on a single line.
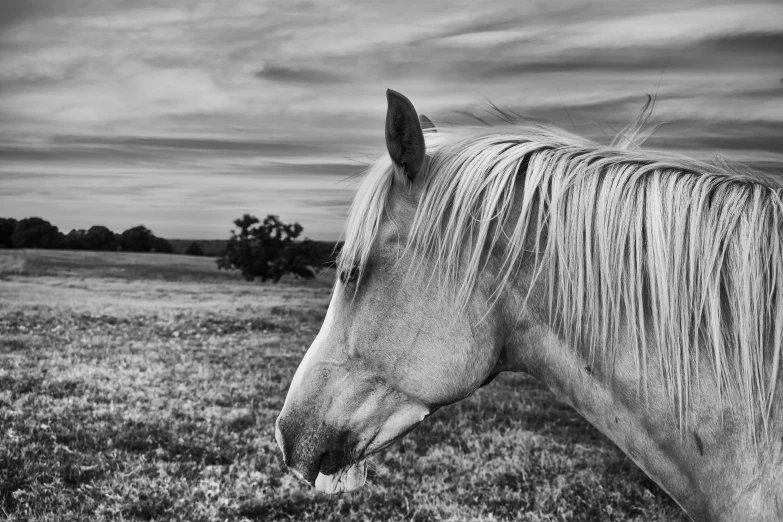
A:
[(426, 124), (404, 138)]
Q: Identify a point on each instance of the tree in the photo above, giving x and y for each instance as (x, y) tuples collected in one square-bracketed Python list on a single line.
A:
[(74, 240), (35, 232), (141, 239), (267, 250), (194, 249), (99, 237), (7, 226), (136, 239), (161, 245), (96, 238)]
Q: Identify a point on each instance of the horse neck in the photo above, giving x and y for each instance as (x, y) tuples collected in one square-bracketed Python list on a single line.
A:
[(709, 466)]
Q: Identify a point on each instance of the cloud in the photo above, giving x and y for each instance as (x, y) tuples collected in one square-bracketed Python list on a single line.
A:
[(15, 11), (348, 170), (187, 144), (756, 42), (677, 26), (280, 73)]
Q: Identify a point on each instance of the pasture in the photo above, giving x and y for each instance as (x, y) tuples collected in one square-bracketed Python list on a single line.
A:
[(145, 387)]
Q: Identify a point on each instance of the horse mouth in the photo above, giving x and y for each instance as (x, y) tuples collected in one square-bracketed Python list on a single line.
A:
[(353, 476), (346, 479)]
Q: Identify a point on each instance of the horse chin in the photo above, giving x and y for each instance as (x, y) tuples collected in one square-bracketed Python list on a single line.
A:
[(346, 479)]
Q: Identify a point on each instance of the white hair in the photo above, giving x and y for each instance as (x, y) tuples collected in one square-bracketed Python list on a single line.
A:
[(628, 241)]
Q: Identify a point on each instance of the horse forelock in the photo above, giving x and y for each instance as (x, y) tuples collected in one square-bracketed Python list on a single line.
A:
[(627, 241)]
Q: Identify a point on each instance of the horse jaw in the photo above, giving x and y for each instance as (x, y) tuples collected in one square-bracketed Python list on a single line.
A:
[(347, 479)]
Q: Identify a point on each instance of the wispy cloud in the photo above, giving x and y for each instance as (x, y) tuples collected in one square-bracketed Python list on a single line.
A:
[(281, 73)]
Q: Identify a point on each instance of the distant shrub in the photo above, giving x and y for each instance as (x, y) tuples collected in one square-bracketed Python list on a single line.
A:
[(209, 247), (35, 232), (7, 226), (194, 250), (161, 245), (324, 253), (267, 250), (141, 239)]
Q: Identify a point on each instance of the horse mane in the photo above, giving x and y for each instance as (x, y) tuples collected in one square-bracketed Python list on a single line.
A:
[(632, 244)]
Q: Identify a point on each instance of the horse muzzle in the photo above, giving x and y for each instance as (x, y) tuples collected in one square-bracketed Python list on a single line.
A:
[(319, 454)]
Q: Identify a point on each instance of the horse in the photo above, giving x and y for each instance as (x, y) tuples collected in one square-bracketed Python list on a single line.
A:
[(642, 288)]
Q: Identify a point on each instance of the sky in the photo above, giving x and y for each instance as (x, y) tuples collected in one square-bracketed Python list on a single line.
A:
[(183, 115)]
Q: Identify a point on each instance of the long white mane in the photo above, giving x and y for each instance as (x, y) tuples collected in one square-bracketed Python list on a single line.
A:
[(632, 244)]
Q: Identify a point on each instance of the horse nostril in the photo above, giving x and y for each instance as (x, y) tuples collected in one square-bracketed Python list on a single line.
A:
[(323, 461), (308, 471), (308, 451), (331, 462)]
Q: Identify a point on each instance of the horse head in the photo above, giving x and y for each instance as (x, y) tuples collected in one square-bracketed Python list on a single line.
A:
[(392, 348)]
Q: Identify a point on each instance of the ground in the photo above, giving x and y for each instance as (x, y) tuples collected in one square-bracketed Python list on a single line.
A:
[(145, 387)]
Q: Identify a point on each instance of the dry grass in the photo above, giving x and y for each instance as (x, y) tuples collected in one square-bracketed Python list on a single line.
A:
[(145, 387)]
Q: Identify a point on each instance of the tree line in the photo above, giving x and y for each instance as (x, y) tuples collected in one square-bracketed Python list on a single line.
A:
[(35, 232), (265, 249)]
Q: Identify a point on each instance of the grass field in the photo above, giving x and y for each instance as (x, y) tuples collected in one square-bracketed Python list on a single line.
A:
[(145, 387)]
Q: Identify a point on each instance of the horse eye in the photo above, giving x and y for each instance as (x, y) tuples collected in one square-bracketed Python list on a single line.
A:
[(350, 276)]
